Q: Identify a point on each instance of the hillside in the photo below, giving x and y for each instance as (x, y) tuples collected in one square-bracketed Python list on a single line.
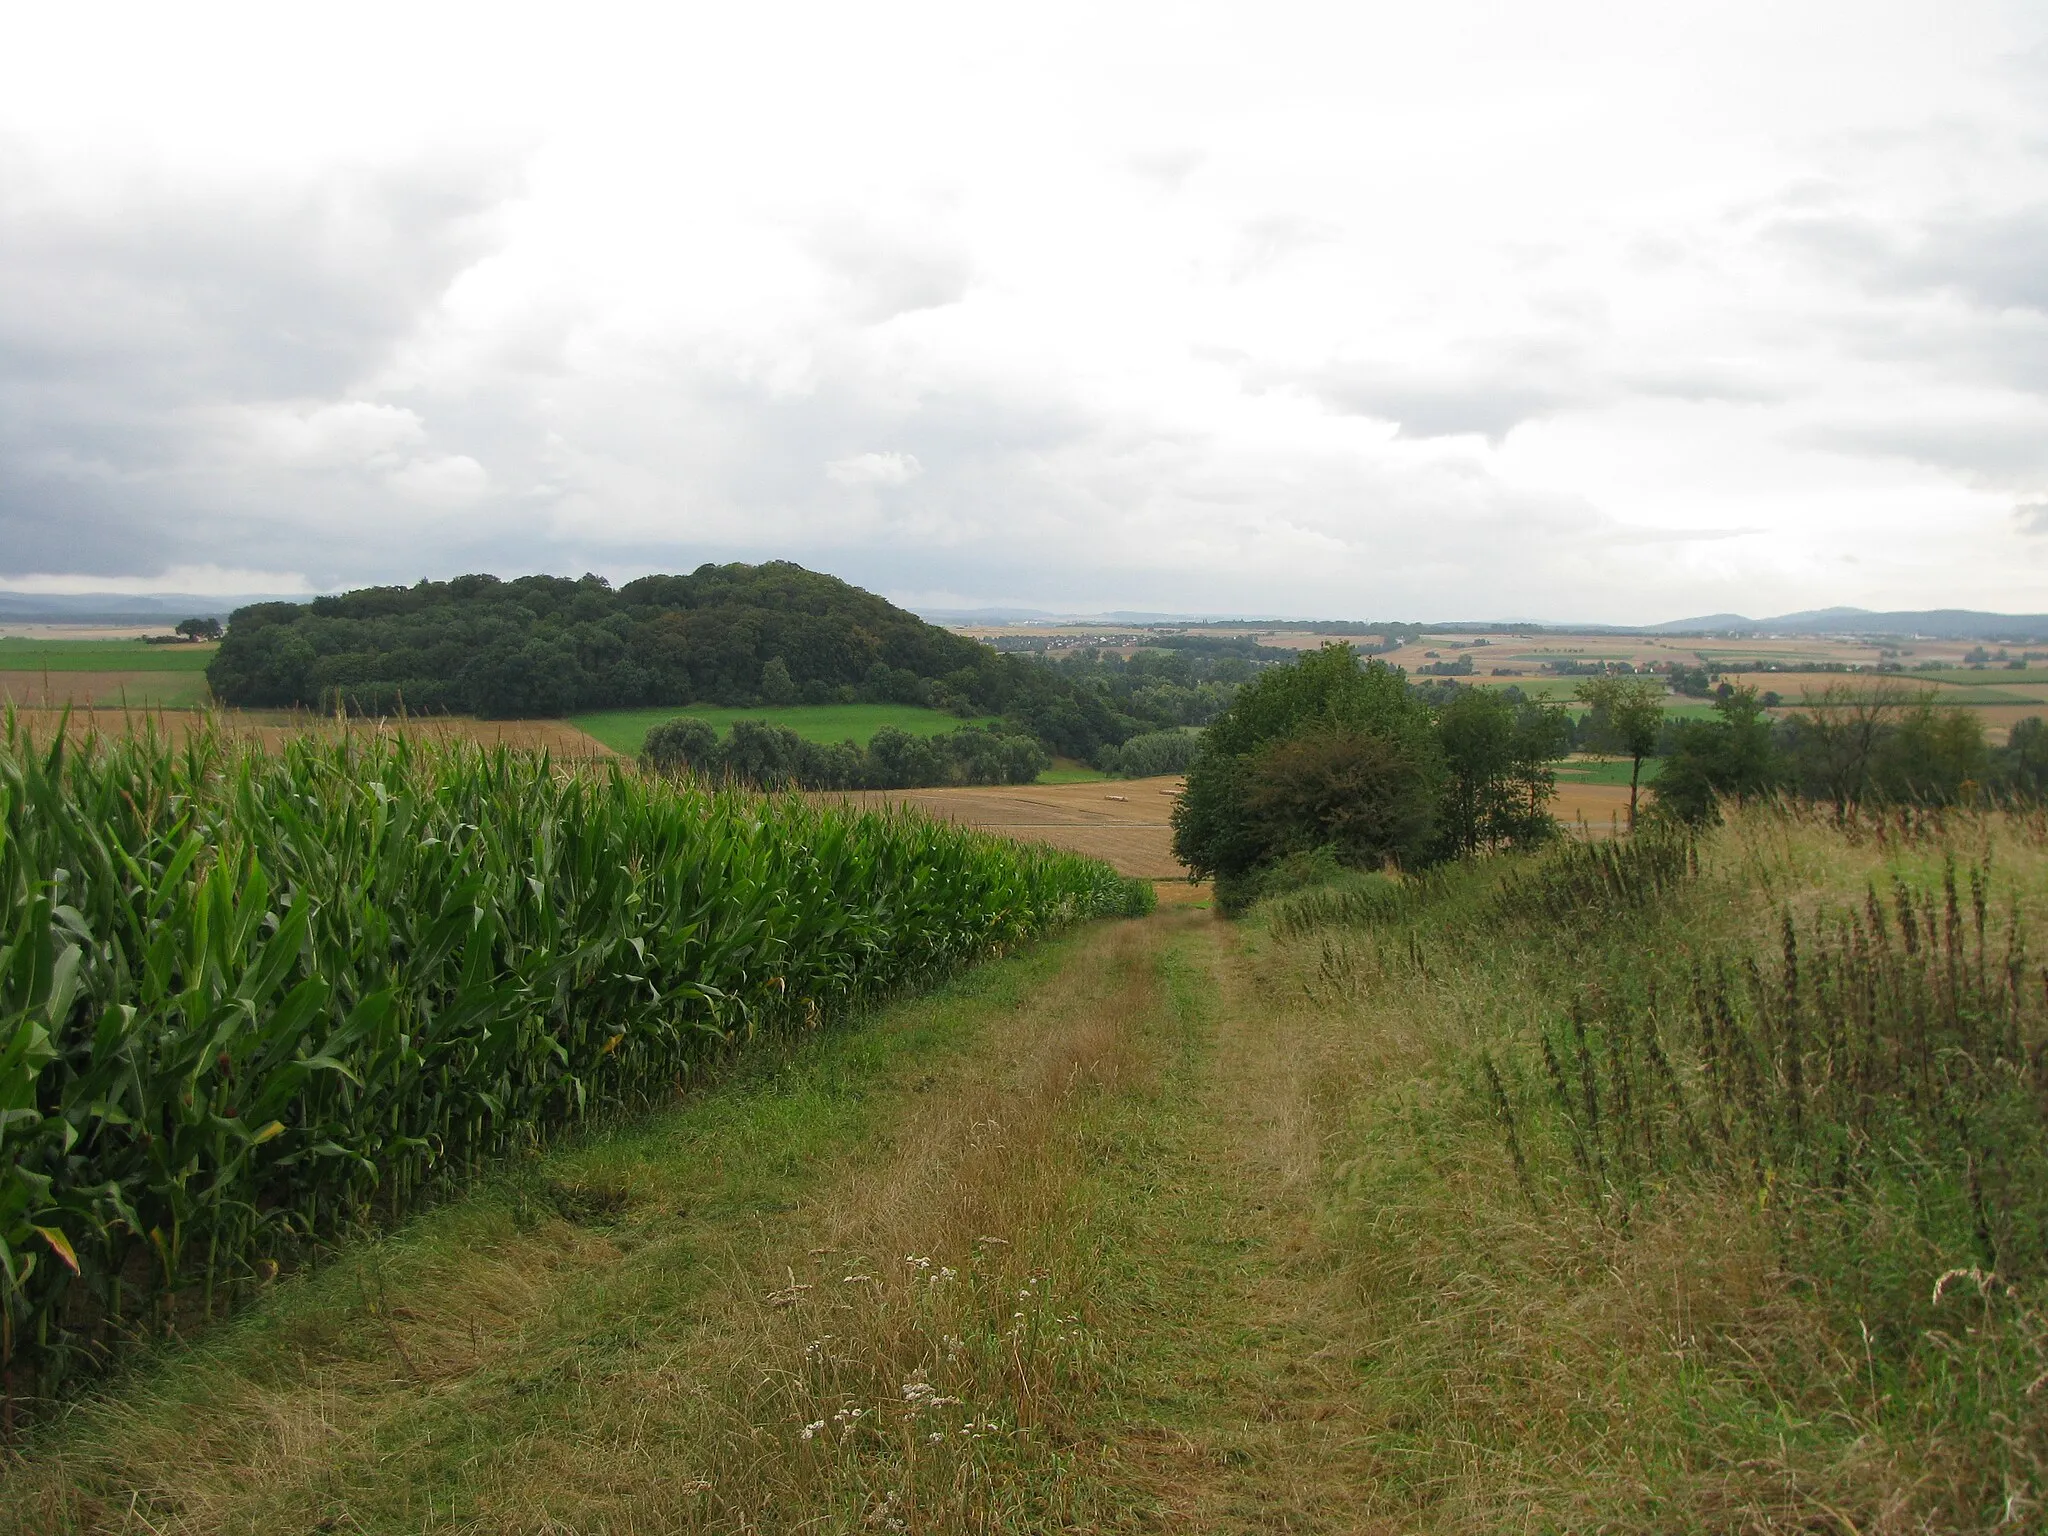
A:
[(1928, 623), (542, 646)]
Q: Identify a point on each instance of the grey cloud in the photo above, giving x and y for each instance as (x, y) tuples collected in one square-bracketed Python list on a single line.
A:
[(1524, 381), (1450, 408), (1987, 450), (889, 273), (124, 324), (1704, 379), (1487, 392), (1994, 261), (1169, 168), (294, 294), (2032, 517), (1264, 243)]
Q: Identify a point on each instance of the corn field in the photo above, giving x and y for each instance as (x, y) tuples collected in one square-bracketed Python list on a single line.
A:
[(251, 1000)]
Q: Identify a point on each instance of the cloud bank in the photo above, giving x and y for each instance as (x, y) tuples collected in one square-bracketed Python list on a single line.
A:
[(1362, 313)]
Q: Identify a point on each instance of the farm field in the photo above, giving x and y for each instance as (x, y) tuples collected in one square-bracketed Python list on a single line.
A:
[(25, 655), (158, 688), (274, 729), (1120, 821), (1179, 1224), (399, 961), (623, 730), (103, 673)]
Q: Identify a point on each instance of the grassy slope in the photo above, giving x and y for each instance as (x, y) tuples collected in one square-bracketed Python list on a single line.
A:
[(1233, 1241), (623, 730), (19, 655)]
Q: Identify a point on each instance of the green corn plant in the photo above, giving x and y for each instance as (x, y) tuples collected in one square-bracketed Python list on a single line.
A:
[(251, 1000)]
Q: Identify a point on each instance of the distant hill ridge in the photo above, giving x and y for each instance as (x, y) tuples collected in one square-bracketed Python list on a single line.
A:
[(1932, 623)]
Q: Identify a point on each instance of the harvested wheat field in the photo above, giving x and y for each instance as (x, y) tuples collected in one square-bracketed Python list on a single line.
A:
[(55, 689), (1121, 821), (1593, 809)]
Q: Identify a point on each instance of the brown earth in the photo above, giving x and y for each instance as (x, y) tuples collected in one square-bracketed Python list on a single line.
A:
[(1592, 810)]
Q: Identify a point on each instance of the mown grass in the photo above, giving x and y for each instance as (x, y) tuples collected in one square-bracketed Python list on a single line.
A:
[(625, 730)]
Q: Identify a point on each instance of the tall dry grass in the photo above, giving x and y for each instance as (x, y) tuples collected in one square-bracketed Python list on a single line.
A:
[(1710, 1194)]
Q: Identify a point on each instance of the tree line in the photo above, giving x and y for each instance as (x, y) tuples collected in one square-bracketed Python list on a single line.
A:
[(1849, 745), (734, 635), (1341, 761), (764, 756)]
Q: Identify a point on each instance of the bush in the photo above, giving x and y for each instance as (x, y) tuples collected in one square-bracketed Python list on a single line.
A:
[(684, 745), (766, 756), (1324, 751), (1152, 754)]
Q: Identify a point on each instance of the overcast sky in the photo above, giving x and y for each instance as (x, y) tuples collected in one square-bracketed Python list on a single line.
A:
[(1621, 311)]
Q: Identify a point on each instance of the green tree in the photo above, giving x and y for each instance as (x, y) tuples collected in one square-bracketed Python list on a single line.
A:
[(1477, 730), (2022, 767), (685, 745), (1631, 710), (777, 686), (1543, 734), (1350, 791), (199, 629), (1733, 757), (1360, 732), (1834, 739), (1933, 755)]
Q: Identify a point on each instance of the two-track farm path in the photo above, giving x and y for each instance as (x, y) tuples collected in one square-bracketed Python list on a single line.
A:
[(1073, 1191)]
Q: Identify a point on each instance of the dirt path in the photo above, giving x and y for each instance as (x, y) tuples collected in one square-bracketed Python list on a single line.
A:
[(1037, 1254)]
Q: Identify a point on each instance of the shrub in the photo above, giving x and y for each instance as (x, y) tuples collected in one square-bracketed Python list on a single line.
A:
[(1152, 754)]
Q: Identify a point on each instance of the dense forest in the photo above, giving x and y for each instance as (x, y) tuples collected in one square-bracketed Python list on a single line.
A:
[(546, 646)]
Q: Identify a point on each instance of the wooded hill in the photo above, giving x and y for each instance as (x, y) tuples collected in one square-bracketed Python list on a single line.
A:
[(547, 646)]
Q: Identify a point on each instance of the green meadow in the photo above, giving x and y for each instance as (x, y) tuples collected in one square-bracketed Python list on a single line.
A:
[(22, 655), (623, 730)]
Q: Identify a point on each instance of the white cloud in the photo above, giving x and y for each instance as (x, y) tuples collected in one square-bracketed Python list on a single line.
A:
[(1363, 311), (885, 469)]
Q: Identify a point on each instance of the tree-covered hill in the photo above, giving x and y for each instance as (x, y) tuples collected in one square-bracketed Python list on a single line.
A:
[(543, 646)]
